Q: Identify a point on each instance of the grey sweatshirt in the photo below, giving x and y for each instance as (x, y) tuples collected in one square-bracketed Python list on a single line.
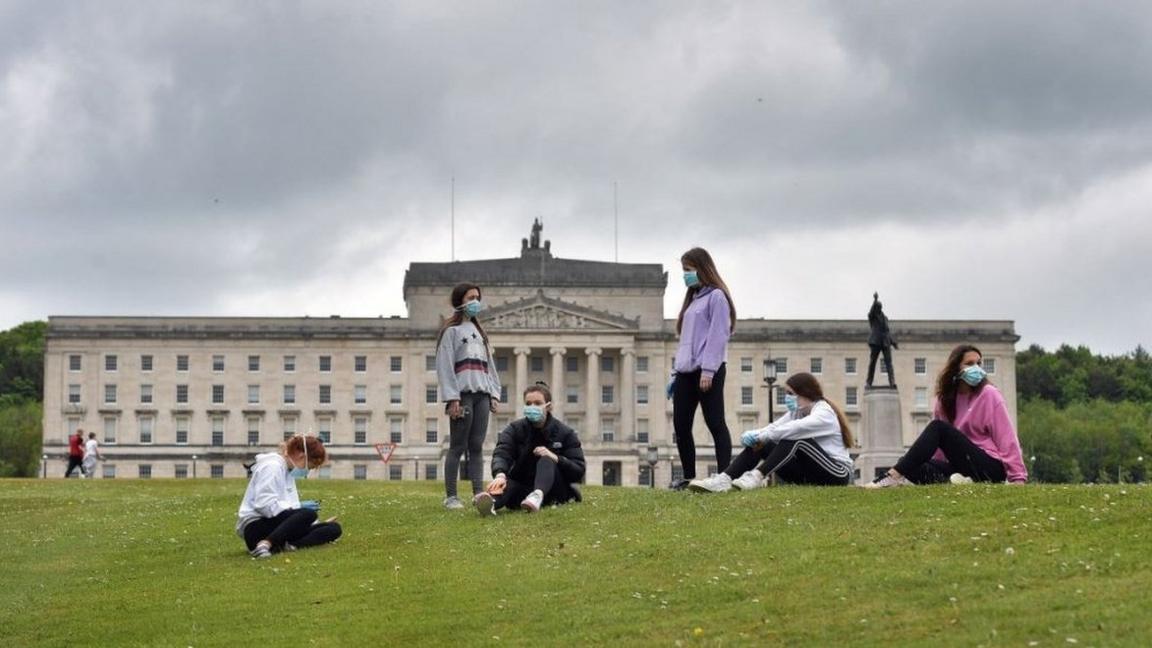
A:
[(463, 363)]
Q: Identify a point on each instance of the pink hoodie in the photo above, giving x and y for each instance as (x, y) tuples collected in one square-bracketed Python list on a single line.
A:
[(983, 418)]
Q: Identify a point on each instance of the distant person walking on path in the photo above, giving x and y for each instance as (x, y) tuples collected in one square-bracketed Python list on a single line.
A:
[(75, 454), (91, 455), (469, 387), (808, 445), (706, 321), (880, 341), (536, 462), (971, 437), (272, 518)]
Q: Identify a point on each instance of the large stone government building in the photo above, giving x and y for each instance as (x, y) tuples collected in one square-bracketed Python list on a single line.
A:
[(198, 396)]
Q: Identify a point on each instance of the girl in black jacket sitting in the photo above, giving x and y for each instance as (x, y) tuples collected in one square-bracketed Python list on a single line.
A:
[(537, 460)]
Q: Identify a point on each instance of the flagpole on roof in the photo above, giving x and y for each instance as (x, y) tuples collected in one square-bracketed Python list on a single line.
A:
[(616, 221), (453, 217)]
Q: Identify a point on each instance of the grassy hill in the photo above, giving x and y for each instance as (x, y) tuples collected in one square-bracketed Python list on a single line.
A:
[(157, 563)]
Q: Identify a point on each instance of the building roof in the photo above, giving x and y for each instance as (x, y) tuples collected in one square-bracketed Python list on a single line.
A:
[(536, 267)]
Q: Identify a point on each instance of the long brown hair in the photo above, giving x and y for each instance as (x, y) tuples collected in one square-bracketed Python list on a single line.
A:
[(806, 385), (706, 272), (457, 318), (948, 381)]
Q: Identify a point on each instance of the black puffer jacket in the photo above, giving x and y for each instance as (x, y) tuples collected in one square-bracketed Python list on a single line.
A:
[(513, 454)]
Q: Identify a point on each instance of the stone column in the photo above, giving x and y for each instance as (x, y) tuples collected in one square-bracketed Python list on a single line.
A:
[(557, 384), (521, 376), (881, 432), (592, 407), (628, 394)]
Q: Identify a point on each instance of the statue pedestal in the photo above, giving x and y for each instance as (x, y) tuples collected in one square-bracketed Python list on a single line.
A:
[(881, 432)]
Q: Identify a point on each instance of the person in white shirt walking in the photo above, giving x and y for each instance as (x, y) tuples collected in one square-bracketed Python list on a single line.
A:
[(91, 456), (272, 518), (808, 445)]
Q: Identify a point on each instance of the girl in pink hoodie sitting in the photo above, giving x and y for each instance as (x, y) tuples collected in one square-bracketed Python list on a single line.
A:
[(971, 437)]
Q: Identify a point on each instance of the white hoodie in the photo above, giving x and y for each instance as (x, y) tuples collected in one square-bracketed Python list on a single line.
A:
[(821, 425), (271, 491)]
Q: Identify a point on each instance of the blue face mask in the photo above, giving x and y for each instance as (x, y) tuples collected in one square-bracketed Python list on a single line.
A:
[(301, 473), (790, 402), (691, 279), (535, 413), (973, 375), (472, 308)]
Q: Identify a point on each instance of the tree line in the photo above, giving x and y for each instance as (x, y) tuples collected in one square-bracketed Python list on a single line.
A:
[(1083, 417), (21, 399)]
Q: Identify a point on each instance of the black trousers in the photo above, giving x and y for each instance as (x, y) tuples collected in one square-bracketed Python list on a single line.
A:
[(796, 462), (297, 527), (546, 478), (467, 432), (74, 463), (686, 395), (963, 457), (876, 350)]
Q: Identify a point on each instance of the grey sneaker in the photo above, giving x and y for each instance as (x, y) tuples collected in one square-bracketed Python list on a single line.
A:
[(957, 478), (750, 480), (485, 504), (453, 503), (533, 501), (888, 481), (715, 484), (261, 551)]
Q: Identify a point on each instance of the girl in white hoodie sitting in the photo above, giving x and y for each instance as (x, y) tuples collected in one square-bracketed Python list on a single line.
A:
[(808, 445), (272, 518)]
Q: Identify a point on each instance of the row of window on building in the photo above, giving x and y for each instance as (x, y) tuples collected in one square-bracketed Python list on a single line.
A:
[(611, 472), (362, 434), (324, 364), (288, 396)]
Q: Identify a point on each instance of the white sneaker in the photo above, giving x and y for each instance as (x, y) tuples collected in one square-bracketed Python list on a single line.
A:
[(750, 480), (485, 504), (957, 478), (888, 481), (533, 501), (261, 551), (719, 483), (453, 503)]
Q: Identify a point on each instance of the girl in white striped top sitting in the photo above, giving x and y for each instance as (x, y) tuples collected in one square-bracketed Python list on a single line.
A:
[(808, 445)]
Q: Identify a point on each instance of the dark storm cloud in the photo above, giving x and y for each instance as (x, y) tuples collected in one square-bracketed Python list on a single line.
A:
[(194, 157)]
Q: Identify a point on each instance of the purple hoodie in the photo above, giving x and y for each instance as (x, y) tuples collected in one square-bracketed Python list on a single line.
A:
[(704, 333)]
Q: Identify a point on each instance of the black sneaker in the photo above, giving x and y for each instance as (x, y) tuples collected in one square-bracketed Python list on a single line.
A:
[(680, 484)]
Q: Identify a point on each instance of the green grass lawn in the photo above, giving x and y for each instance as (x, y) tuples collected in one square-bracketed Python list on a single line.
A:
[(157, 563)]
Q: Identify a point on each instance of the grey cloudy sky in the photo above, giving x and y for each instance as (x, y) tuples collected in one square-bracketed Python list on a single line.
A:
[(967, 159)]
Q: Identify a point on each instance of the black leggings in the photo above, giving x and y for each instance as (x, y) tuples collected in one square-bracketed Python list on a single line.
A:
[(685, 396), (796, 462), (74, 463), (547, 479), (294, 526), (468, 431), (963, 457)]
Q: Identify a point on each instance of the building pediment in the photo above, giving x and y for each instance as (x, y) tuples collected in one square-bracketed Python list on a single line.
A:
[(542, 312)]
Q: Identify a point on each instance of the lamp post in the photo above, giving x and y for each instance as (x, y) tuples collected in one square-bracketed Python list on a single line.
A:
[(769, 382), (194, 458), (1140, 461), (44, 472), (653, 458)]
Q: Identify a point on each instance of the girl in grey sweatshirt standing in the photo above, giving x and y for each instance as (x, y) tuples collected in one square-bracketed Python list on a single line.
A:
[(469, 386)]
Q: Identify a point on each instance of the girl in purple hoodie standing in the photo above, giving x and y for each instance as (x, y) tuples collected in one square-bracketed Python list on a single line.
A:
[(706, 320)]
